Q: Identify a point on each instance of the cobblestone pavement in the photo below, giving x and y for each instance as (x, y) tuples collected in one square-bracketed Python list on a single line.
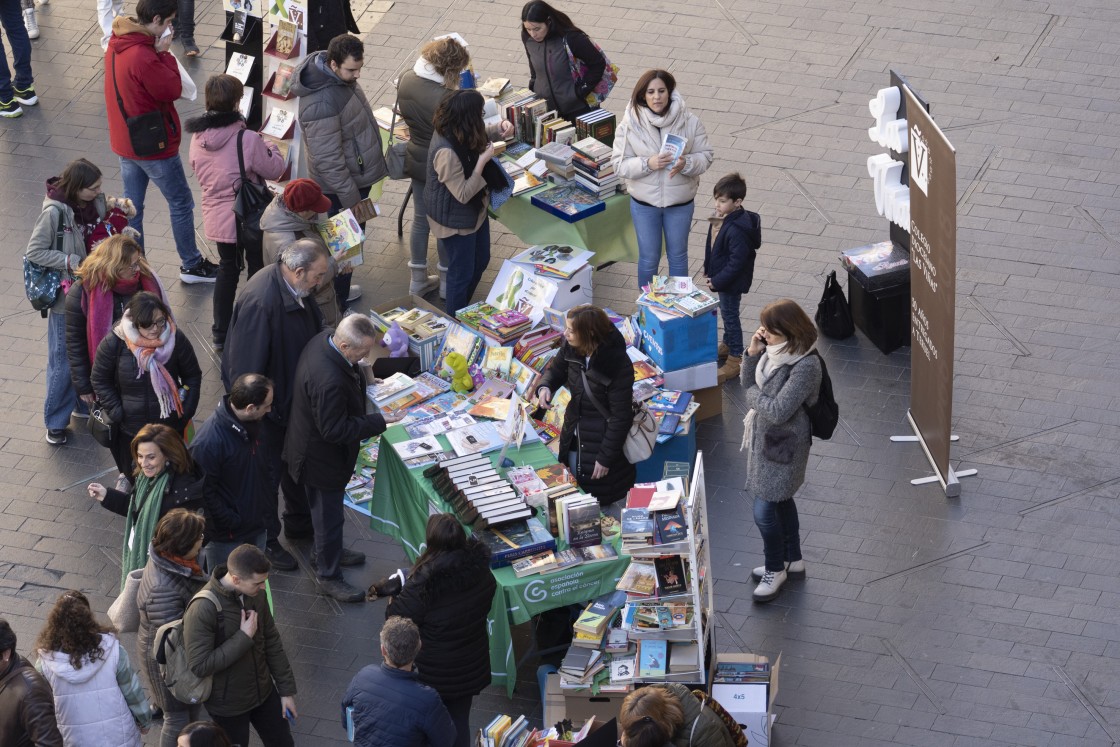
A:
[(986, 620)]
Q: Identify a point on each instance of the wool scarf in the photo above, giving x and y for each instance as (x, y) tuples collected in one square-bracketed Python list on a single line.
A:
[(648, 129), (191, 565), (140, 521), (151, 358), (97, 303)]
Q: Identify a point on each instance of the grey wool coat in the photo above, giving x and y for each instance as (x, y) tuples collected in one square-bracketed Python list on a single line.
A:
[(778, 412)]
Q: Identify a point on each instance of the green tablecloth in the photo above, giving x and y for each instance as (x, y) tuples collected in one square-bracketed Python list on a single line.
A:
[(402, 501), (610, 234)]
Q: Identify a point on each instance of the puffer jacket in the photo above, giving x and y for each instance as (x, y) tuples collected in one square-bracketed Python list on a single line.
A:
[(77, 341), (418, 98), (27, 717), (640, 135), (243, 668), (100, 704), (281, 227), (213, 158), (127, 393), (43, 248), (165, 589), (550, 71), (729, 255), (340, 135), (611, 377), (147, 80), (449, 599), (392, 709), (778, 411)]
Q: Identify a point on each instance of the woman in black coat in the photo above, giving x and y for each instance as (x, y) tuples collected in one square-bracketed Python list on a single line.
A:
[(145, 371), (448, 595), (596, 422)]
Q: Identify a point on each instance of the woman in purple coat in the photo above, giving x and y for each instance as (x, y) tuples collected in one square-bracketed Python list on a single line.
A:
[(214, 160)]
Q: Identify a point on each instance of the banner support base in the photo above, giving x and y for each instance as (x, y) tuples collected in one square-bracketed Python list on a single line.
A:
[(949, 482)]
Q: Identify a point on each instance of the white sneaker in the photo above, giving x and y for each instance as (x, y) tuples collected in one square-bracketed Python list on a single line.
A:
[(30, 23), (770, 586), (42, 2), (355, 293), (794, 570)]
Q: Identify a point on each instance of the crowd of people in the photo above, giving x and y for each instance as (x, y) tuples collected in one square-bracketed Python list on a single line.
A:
[(205, 509)]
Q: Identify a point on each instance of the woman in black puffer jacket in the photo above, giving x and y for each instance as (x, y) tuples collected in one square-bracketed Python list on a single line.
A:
[(448, 595), (171, 578), (595, 424), (145, 371)]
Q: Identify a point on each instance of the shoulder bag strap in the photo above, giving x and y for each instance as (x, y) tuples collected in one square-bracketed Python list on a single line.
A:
[(120, 101), (241, 156), (393, 121), (591, 396)]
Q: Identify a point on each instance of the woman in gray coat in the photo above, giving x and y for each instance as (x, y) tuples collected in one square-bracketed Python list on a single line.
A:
[(782, 375), (171, 578)]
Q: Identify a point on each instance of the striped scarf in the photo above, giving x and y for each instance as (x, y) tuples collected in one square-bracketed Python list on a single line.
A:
[(151, 357)]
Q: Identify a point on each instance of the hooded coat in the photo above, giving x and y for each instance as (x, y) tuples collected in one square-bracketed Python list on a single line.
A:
[(213, 158), (98, 704), (449, 599), (43, 248), (340, 135), (27, 717), (235, 482), (640, 135), (610, 374), (729, 260), (550, 70), (165, 589), (280, 227), (147, 81)]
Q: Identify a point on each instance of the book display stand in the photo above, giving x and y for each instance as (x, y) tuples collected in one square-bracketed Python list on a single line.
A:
[(284, 44), (242, 36)]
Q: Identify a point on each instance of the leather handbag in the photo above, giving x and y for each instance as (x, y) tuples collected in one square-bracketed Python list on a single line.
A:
[(640, 439), (101, 426), (146, 132), (249, 202), (396, 152), (834, 317), (123, 612)]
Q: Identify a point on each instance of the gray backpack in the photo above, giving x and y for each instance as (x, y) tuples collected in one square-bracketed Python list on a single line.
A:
[(171, 655)]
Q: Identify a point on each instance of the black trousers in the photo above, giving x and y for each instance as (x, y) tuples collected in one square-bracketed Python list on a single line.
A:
[(231, 260), (328, 519), (297, 515), (267, 720), (460, 710), (121, 447), (342, 281)]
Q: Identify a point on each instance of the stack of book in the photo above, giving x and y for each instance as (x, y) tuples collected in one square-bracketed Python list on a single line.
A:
[(418, 324), (594, 170), (656, 514), (400, 392), (506, 732), (578, 518), (569, 203), (535, 349), (597, 616), (558, 159), (580, 666), (516, 540), (497, 326), (597, 123), (668, 299), (463, 340), (481, 497), (556, 261)]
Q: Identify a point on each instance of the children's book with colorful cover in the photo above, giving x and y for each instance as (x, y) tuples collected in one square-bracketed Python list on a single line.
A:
[(497, 361), (670, 401), (570, 204), (652, 655), (343, 235), (479, 438), (462, 340)]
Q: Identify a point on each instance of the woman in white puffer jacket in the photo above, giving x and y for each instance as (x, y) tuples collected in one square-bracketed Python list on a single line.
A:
[(661, 188)]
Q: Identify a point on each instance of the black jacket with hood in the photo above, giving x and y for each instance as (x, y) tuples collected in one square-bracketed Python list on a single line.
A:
[(729, 259), (235, 475)]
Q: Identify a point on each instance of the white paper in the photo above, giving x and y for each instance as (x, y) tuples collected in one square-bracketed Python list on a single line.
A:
[(240, 65)]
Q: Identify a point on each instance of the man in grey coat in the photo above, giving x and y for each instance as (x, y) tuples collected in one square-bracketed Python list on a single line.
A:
[(340, 134)]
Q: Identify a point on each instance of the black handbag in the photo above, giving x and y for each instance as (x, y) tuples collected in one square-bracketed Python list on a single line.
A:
[(249, 202), (101, 426), (834, 317), (147, 132)]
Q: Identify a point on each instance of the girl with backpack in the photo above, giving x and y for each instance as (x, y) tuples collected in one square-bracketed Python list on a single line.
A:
[(558, 53)]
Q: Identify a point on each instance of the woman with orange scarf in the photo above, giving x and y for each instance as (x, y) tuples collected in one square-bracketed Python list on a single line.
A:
[(145, 372)]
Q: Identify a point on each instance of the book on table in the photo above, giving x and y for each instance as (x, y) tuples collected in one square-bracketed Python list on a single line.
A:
[(652, 658), (639, 578), (570, 204)]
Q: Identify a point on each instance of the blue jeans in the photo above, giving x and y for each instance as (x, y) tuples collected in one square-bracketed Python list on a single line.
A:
[(61, 397), (732, 324), (781, 532), (655, 225), (215, 554), (168, 175), (11, 18), (467, 258)]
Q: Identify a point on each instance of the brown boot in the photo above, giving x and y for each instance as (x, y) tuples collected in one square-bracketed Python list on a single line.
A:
[(730, 369), (723, 351)]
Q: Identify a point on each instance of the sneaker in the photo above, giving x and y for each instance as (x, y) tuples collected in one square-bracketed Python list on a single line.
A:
[(770, 586), (794, 570), (281, 559), (30, 23), (349, 558), (355, 293), (10, 109), (219, 345), (56, 436), (26, 96), (42, 2), (204, 272), (338, 589)]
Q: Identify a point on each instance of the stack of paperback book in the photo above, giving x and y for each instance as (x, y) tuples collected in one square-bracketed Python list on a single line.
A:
[(516, 540), (417, 323), (481, 497), (558, 159), (593, 167), (578, 519), (671, 297), (535, 349), (497, 326)]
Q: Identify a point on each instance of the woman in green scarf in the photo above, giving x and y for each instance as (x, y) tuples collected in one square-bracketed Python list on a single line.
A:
[(165, 478)]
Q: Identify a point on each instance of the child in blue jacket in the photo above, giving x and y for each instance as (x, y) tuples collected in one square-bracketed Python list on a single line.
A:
[(729, 264)]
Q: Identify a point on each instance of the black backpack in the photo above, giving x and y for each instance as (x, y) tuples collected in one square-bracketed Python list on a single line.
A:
[(823, 414), (834, 316)]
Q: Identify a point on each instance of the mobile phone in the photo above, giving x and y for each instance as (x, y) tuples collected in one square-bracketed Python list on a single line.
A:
[(288, 715), (166, 33)]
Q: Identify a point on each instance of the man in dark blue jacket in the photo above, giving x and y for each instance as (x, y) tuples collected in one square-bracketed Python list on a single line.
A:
[(387, 705), (228, 448)]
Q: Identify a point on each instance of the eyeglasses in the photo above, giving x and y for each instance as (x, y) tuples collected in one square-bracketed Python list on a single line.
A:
[(160, 324)]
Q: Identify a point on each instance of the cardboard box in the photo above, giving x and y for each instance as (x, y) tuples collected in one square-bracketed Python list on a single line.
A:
[(680, 342), (517, 286), (554, 705), (427, 350), (700, 376), (756, 724), (680, 448), (711, 402), (579, 708)]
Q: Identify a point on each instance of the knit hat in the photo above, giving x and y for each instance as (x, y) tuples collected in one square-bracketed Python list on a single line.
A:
[(305, 194)]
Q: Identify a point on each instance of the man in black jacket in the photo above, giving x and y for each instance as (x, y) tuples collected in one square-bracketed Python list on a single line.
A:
[(273, 320), (327, 426), (26, 702), (228, 449)]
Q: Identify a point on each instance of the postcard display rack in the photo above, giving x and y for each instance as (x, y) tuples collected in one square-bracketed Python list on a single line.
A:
[(694, 551)]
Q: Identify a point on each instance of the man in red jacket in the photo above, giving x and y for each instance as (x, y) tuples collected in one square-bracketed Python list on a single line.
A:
[(141, 76)]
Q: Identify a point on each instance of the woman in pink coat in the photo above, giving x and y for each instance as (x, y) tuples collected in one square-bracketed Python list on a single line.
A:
[(214, 160)]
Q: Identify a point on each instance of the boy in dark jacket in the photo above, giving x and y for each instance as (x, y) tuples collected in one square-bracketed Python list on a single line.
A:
[(729, 264)]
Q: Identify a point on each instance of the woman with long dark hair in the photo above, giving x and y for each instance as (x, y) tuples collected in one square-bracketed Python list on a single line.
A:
[(662, 185), (203, 734), (145, 372), (98, 698), (448, 595), (171, 577), (213, 158), (550, 37), (782, 375), (592, 363), (461, 175)]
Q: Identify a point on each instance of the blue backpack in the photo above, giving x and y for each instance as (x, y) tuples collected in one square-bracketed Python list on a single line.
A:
[(42, 284)]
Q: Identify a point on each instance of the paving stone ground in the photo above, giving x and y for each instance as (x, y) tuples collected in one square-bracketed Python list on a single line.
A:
[(991, 619)]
